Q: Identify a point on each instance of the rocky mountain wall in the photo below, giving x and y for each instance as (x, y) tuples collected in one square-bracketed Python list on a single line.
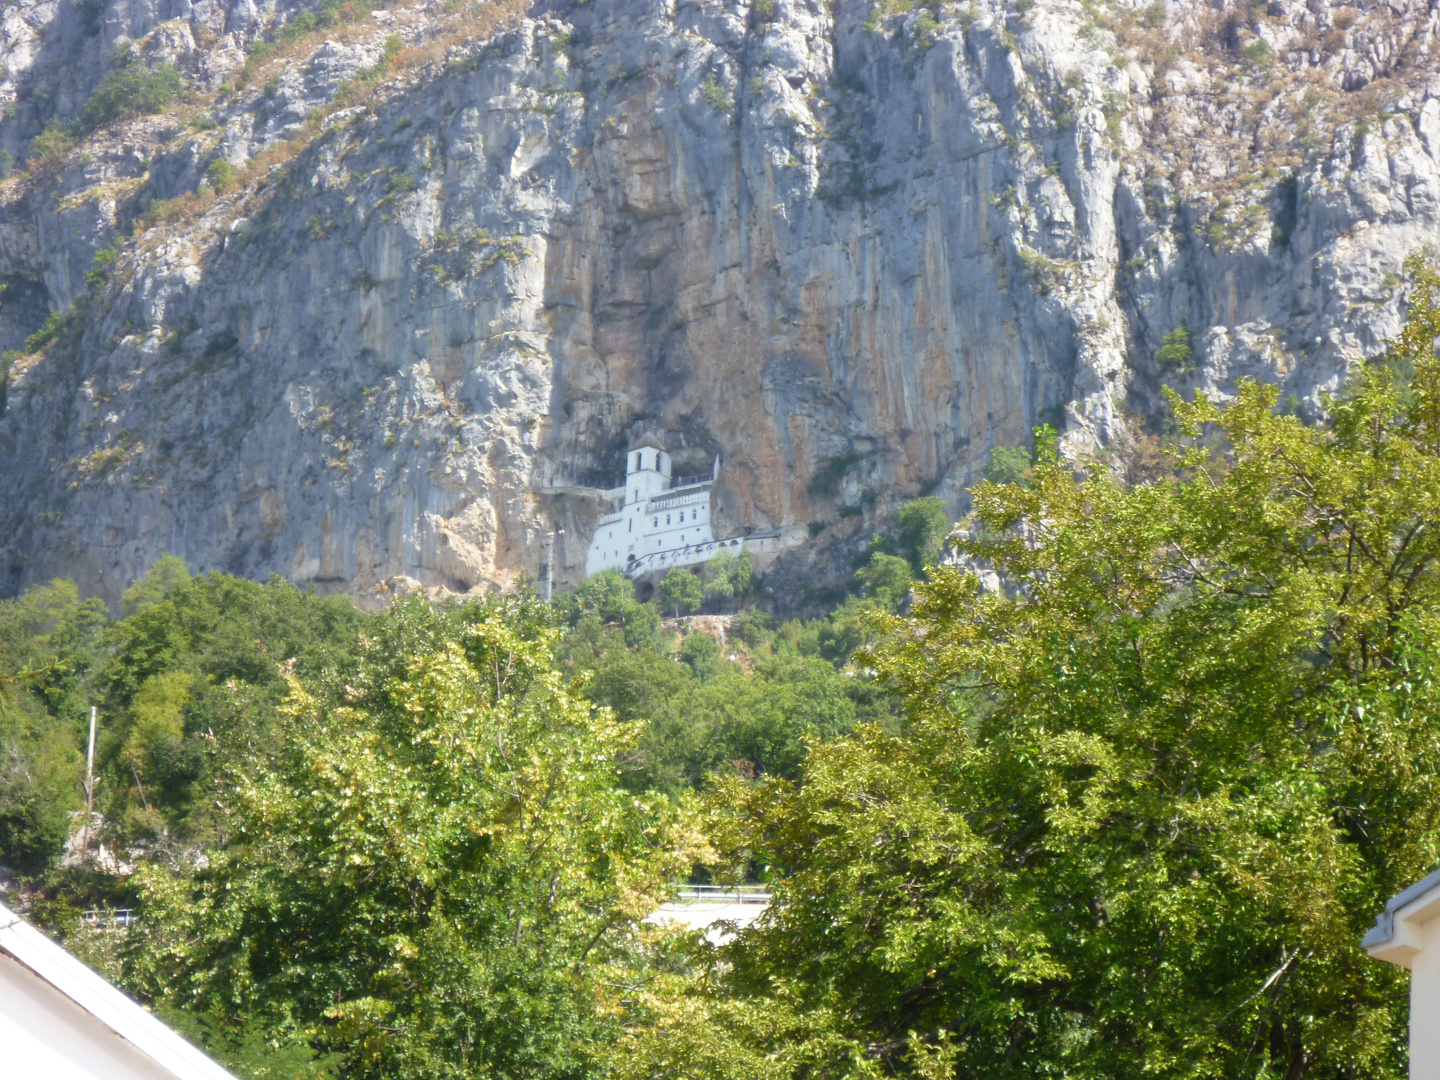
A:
[(454, 256)]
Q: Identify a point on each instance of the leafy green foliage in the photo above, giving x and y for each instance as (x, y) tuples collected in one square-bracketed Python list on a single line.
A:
[(39, 758), (1258, 55), (716, 95), (826, 481), (1007, 465), (1150, 794), (401, 183), (192, 681), (703, 713), (1011, 464), (49, 150), (329, 13), (680, 590), (1174, 352), (701, 653), (437, 868), (49, 330), (922, 526), (185, 681), (220, 174), (101, 265), (129, 91), (610, 597), (886, 578), (166, 574), (729, 576)]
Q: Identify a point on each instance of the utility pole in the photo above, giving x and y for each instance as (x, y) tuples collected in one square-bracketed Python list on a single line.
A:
[(550, 565), (89, 783)]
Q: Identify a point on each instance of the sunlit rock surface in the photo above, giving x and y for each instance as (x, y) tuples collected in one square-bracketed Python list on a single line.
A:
[(849, 247)]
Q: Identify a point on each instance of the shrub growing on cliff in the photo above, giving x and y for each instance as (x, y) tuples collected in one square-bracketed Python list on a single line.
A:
[(1174, 352), (49, 330), (716, 95), (131, 90), (826, 480), (220, 174), (49, 149)]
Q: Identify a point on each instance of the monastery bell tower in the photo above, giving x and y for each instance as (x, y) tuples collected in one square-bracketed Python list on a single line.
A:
[(647, 470)]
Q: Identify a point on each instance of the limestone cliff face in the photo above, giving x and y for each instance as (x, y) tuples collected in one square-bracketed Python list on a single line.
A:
[(851, 246)]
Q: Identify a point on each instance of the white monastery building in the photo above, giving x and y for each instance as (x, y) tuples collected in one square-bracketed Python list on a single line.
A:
[(658, 521)]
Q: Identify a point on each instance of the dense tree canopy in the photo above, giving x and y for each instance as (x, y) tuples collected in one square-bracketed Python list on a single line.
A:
[(1148, 797), (436, 871), (1127, 814)]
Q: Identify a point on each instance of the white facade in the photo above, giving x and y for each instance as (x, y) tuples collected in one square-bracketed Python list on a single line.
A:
[(61, 1021), (657, 521), (1408, 933)]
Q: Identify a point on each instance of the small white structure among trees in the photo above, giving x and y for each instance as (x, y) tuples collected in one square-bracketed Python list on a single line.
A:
[(1407, 933), (657, 521), (61, 1021)]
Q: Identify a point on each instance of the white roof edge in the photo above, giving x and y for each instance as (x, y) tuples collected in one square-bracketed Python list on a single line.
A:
[(1384, 928), (103, 1001)]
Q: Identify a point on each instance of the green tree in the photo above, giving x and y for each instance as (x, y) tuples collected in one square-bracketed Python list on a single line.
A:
[(47, 638), (611, 596), (436, 873), (607, 593), (165, 575), (922, 526), (1149, 795), (1012, 464), (729, 576), (190, 677), (701, 653), (680, 590), (1007, 465), (154, 736), (886, 579)]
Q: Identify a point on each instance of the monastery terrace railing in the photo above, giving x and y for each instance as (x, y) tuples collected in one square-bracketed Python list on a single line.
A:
[(729, 894), (108, 918), (673, 498), (690, 481)]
